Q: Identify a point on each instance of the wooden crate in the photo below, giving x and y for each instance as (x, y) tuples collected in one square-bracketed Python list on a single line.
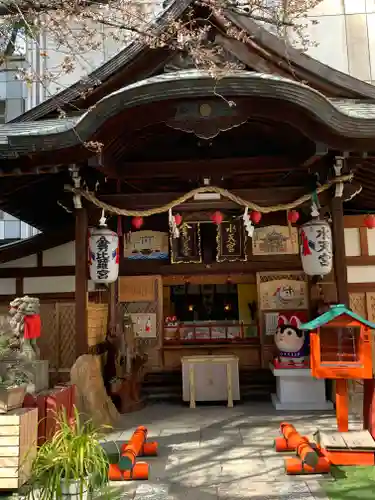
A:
[(18, 442)]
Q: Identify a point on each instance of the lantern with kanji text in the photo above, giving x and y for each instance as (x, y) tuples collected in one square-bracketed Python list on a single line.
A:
[(316, 247), (103, 255)]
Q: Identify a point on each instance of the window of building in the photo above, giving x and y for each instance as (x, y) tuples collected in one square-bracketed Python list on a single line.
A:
[(2, 111), (12, 229)]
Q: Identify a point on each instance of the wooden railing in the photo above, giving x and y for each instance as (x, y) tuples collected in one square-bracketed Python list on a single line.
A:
[(207, 333)]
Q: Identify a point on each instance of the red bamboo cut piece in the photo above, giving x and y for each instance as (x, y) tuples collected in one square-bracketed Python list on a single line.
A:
[(114, 473), (281, 444), (149, 449), (132, 449), (138, 473), (295, 466), (301, 444)]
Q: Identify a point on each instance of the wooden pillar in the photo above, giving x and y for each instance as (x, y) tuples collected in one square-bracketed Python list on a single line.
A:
[(369, 406), (81, 294), (112, 306), (339, 258), (342, 405)]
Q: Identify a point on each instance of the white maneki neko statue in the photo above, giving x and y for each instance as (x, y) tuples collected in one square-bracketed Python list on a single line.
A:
[(290, 341)]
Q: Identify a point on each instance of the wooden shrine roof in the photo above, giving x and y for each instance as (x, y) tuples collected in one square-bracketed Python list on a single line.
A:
[(310, 117), (266, 53), (352, 120), (330, 108)]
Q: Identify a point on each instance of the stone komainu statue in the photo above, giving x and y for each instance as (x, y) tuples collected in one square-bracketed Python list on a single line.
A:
[(26, 325)]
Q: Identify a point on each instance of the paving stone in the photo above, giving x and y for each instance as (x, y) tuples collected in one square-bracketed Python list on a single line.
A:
[(203, 493), (151, 491), (217, 452), (250, 489), (118, 491), (239, 452)]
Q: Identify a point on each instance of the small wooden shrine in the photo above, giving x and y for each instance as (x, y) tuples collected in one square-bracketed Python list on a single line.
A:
[(341, 349)]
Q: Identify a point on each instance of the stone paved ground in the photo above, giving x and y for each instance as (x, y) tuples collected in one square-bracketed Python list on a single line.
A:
[(217, 453)]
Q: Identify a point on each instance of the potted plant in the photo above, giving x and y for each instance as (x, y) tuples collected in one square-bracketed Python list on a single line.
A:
[(72, 464)]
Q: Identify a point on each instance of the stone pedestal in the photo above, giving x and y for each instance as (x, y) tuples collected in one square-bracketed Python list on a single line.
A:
[(297, 389), (40, 372)]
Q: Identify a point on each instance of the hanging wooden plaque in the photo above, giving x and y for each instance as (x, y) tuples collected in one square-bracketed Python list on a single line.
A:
[(187, 248), (231, 244), (146, 245), (137, 288)]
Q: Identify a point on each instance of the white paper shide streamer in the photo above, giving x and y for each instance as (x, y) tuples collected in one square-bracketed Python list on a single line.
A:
[(248, 225), (173, 226)]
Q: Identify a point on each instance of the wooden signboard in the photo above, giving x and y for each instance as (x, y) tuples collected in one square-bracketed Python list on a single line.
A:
[(144, 325), (282, 291), (146, 245), (187, 248), (275, 240), (230, 242), (137, 288)]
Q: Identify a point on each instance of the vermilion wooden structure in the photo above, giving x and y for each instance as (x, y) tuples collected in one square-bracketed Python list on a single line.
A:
[(340, 343), (49, 403)]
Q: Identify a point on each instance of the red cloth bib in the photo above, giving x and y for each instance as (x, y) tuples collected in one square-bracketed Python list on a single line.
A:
[(33, 327)]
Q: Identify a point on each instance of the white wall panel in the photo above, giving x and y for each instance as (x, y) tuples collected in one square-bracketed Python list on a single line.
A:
[(63, 255)]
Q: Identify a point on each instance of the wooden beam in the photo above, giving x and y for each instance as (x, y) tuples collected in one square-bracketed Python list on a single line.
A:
[(127, 267), (321, 151), (81, 291), (112, 307), (151, 200), (361, 260), (193, 168), (59, 297), (339, 251), (361, 287), (354, 221), (39, 258), (363, 239), (256, 264), (19, 287)]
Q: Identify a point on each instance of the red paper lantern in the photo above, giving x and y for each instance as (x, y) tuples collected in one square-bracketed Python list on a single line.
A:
[(370, 221), (293, 216), (137, 222), (178, 219), (217, 217), (255, 216)]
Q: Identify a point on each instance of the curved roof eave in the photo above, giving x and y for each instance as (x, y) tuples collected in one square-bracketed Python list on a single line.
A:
[(297, 60), (341, 119)]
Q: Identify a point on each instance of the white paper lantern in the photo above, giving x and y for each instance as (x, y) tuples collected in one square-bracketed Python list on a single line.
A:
[(316, 248), (103, 255)]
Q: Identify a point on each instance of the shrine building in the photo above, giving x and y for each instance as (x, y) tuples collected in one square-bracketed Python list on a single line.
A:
[(235, 201)]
